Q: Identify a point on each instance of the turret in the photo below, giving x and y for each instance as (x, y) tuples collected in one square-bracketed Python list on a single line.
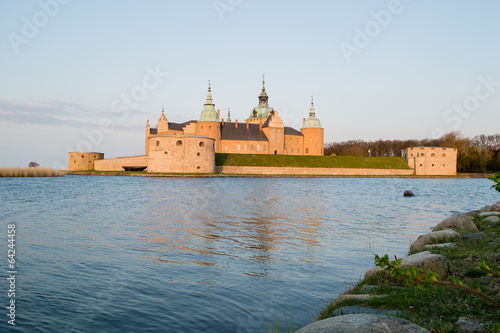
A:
[(313, 133), (162, 123), (209, 125)]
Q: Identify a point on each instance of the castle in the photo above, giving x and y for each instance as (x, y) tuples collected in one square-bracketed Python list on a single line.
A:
[(190, 147)]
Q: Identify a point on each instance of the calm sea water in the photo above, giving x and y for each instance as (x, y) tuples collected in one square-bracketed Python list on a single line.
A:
[(135, 254)]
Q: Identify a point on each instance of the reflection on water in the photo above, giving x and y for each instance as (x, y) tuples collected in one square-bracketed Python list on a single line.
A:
[(218, 254)]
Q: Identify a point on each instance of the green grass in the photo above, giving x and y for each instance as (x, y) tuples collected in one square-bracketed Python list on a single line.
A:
[(438, 308), (311, 161)]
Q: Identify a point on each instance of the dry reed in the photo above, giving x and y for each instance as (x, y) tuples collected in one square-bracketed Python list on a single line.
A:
[(30, 172)]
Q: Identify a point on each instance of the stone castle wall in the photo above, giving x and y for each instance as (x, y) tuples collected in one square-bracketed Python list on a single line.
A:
[(121, 163), (251, 170), (82, 160), (181, 154), (431, 161)]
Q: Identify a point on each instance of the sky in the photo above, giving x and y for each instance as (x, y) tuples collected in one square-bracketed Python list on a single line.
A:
[(87, 75)]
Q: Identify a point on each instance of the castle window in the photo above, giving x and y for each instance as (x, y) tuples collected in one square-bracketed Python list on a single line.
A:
[(226, 148), (422, 154), (420, 164), (443, 164), (201, 127), (298, 150), (198, 167), (307, 150), (238, 147), (197, 154), (178, 143), (251, 147), (444, 148), (90, 161), (75, 161), (444, 155), (258, 147), (433, 165), (264, 148), (245, 147), (165, 152), (157, 143), (292, 150), (433, 154), (411, 154), (82, 156), (202, 144), (94, 156), (209, 127)]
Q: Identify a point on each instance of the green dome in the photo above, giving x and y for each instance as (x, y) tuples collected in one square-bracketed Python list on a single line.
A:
[(312, 121), (260, 112), (209, 113)]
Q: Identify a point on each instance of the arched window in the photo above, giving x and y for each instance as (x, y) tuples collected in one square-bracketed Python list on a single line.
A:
[(202, 144), (157, 143), (178, 143), (444, 155), (433, 154)]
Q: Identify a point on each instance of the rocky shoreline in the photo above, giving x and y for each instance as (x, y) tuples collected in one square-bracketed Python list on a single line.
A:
[(459, 228)]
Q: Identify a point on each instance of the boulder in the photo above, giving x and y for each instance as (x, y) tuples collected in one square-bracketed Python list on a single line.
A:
[(433, 246), (356, 309), (458, 221), (363, 323), (489, 214), (492, 219), (472, 212), (361, 297), (408, 194), (433, 238), (425, 260), (473, 237), (495, 207), (486, 209), (466, 326)]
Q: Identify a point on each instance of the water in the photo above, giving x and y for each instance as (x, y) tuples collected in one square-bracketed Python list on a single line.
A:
[(128, 254)]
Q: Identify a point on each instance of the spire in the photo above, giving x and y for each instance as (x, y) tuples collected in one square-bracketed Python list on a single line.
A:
[(209, 95), (312, 108), (162, 117), (147, 123), (263, 98), (312, 121), (228, 115), (263, 84)]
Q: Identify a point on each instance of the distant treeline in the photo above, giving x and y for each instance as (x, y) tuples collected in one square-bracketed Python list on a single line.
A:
[(478, 154)]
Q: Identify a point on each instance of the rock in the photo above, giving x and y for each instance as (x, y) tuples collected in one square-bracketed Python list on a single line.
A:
[(425, 260), (492, 219), (465, 326), (472, 212), (363, 323), (486, 209), (408, 194), (495, 207), (458, 221), (361, 297), (431, 246), (433, 238), (355, 309), (489, 214), (473, 237)]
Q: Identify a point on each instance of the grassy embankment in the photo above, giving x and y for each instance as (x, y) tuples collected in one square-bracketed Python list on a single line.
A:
[(438, 308), (310, 161), (30, 172)]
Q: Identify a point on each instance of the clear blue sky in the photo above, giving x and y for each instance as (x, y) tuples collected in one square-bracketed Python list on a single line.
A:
[(62, 79)]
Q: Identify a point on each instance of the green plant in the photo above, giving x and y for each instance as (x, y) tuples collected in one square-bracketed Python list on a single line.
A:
[(290, 327), (496, 179), (414, 276)]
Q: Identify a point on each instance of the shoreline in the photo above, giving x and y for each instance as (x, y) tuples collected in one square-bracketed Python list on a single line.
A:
[(223, 175)]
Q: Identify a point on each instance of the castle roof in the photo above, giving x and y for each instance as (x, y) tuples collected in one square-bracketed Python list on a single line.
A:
[(292, 131), (253, 133)]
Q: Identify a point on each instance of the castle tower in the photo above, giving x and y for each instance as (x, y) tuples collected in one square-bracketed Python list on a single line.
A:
[(148, 134), (162, 127), (259, 114), (275, 132), (313, 133), (209, 125)]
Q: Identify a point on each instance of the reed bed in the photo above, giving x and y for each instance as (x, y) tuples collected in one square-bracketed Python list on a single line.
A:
[(30, 172)]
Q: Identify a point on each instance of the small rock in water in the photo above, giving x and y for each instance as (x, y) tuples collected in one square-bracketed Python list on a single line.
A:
[(408, 194)]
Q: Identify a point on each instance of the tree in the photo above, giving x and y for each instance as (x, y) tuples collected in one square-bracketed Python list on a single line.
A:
[(33, 165)]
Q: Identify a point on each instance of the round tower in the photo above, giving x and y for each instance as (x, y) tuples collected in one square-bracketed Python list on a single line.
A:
[(209, 125), (313, 133)]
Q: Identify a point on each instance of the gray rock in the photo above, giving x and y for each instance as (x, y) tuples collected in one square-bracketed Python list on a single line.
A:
[(489, 214), (465, 326), (361, 297), (442, 236), (355, 309), (433, 246), (473, 237), (492, 219), (472, 212), (486, 209), (425, 260), (458, 221), (408, 194), (363, 323)]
